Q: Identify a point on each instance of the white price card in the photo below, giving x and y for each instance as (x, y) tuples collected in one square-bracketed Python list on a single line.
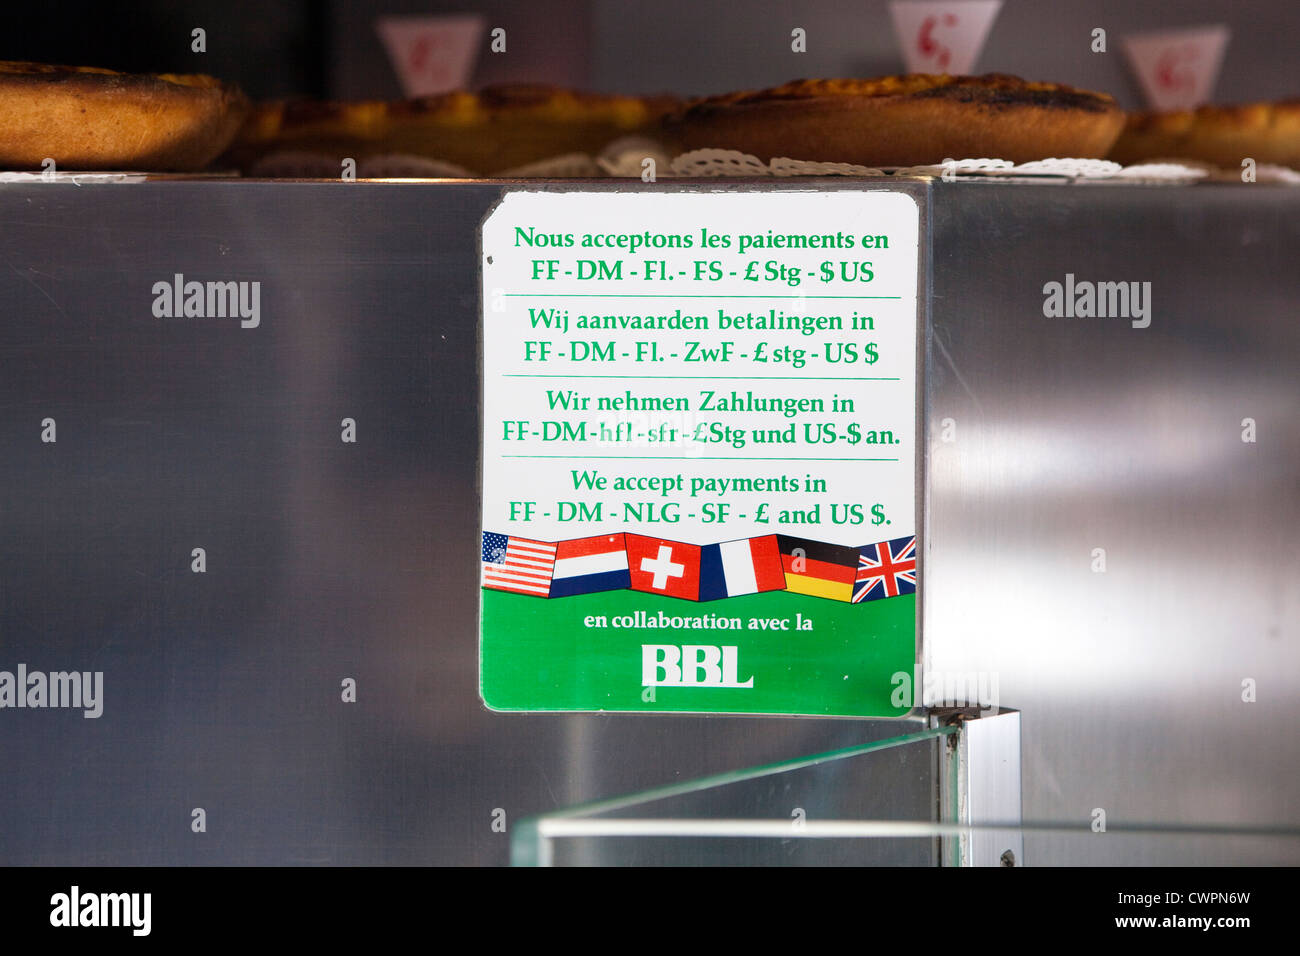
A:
[(1177, 69), (432, 54), (943, 36)]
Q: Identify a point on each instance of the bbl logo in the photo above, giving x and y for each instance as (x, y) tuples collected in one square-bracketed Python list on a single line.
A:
[(690, 665)]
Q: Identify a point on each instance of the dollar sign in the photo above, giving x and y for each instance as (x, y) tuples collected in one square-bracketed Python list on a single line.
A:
[(855, 435), (877, 514), (869, 354), (828, 272)]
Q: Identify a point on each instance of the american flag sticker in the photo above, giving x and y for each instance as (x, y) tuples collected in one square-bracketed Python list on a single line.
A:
[(517, 564)]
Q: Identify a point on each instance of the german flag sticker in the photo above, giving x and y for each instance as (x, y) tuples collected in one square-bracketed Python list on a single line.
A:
[(821, 570)]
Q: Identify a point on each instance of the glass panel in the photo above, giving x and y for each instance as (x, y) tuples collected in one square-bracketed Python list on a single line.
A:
[(798, 806), (873, 804)]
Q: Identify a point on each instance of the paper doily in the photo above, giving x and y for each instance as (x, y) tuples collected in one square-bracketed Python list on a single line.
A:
[(76, 179), (568, 166), (624, 158), (718, 162), (1161, 174), (958, 166), (406, 166), (784, 166)]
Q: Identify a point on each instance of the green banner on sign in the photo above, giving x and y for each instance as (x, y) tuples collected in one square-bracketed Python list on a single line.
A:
[(595, 651)]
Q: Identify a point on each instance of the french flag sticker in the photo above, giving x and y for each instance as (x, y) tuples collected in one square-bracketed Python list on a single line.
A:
[(747, 566), (587, 565)]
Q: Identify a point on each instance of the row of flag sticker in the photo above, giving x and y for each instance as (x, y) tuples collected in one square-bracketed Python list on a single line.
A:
[(774, 562)]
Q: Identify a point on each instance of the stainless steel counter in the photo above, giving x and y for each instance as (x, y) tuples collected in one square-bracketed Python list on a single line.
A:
[(327, 560)]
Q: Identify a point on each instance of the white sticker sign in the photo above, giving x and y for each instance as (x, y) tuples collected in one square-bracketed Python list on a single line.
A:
[(699, 408)]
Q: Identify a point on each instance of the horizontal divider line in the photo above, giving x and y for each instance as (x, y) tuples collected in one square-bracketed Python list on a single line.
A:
[(670, 295), (751, 378), (694, 458)]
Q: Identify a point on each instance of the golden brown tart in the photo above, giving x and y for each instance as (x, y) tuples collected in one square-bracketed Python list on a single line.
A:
[(918, 119), (1221, 135), (88, 118), (495, 129)]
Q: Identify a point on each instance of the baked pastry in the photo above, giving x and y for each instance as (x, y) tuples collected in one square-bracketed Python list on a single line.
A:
[(912, 120), (487, 132), (1221, 135), (88, 118)]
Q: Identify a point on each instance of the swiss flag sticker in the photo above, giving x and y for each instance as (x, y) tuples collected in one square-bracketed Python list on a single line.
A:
[(666, 567)]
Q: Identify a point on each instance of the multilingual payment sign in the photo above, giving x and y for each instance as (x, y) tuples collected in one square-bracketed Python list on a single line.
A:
[(699, 452)]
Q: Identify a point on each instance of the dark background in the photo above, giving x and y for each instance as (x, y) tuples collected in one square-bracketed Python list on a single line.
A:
[(684, 46)]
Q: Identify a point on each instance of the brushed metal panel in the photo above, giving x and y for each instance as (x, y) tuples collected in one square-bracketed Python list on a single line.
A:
[(1075, 434), (324, 560), (328, 560), (990, 789)]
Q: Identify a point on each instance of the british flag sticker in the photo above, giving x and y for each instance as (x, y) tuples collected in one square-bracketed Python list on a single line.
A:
[(886, 569)]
